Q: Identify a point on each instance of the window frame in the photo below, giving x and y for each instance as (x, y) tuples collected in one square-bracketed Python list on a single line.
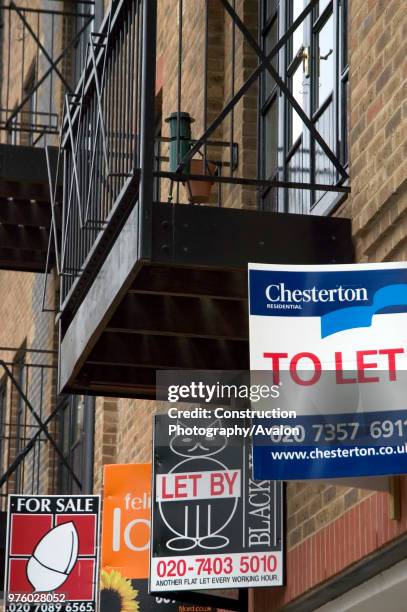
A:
[(82, 439), (304, 145), (267, 18), (3, 414), (21, 414)]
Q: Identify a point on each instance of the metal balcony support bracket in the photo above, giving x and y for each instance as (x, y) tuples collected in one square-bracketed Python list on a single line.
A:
[(99, 88), (28, 447), (100, 121), (53, 171), (75, 177)]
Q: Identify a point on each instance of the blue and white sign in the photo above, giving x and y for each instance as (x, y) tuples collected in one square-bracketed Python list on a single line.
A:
[(335, 339)]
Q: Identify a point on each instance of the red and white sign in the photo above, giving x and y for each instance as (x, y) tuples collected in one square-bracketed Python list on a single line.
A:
[(198, 485), (217, 571), (51, 552)]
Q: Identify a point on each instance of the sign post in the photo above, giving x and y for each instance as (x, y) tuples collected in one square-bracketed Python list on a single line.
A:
[(52, 553), (213, 527), (335, 339)]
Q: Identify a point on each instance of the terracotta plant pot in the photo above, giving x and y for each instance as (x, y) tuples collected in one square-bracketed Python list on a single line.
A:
[(199, 192)]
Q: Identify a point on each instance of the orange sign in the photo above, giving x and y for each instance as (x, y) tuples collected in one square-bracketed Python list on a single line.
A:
[(126, 519)]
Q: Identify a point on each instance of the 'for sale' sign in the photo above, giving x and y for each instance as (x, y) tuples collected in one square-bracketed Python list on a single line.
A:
[(213, 526), (52, 553)]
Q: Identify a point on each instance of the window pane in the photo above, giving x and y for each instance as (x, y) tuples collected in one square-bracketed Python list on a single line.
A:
[(271, 139), (343, 35), (271, 40), (79, 401), (271, 5), (325, 43), (298, 93), (322, 5), (344, 131), (298, 36), (66, 426), (3, 408), (298, 171)]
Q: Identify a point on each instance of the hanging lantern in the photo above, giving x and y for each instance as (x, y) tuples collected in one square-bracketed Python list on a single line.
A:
[(180, 134)]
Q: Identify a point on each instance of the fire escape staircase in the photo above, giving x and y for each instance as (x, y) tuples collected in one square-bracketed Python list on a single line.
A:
[(148, 284)]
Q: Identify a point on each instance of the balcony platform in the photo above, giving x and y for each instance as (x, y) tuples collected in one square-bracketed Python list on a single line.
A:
[(25, 211), (172, 293)]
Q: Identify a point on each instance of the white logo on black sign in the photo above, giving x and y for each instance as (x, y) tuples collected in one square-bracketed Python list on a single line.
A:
[(198, 524)]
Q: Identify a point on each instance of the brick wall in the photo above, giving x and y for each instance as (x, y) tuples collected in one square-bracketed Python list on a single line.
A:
[(244, 115), (357, 533), (105, 437), (378, 129)]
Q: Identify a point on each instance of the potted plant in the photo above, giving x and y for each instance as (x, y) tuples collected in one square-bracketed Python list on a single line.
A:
[(199, 192)]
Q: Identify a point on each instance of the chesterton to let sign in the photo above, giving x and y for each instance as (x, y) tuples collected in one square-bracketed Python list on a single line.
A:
[(334, 338), (198, 485)]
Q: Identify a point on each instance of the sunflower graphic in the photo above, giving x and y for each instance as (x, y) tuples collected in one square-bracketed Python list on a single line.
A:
[(117, 593)]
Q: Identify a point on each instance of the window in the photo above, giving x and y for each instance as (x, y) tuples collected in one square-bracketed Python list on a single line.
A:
[(313, 65), (76, 431), (324, 56), (20, 417), (3, 414)]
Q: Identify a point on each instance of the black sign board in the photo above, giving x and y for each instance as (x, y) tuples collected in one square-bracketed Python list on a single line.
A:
[(213, 526)]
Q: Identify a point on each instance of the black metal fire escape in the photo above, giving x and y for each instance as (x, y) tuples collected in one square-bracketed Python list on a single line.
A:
[(148, 284), (41, 54)]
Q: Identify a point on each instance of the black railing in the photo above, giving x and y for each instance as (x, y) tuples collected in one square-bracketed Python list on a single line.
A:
[(100, 138), (41, 54), (113, 119)]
